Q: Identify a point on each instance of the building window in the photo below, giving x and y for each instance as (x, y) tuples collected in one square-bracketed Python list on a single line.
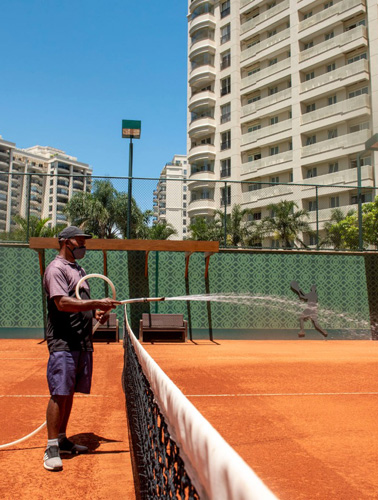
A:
[(254, 70), (359, 127), (329, 35), (356, 58), (225, 33), (308, 45), (254, 157), (253, 99), (275, 179), (226, 196), (291, 177), (226, 59), (226, 167), (355, 93), (307, 15), (328, 5), (274, 120), (365, 198), (257, 216), (311, 140), (253, 128), (331, 67), (226, 140), (310, 76), (332, 100), (226, 86), (226, 113), (272, 62), (312, 206), (310, 107), (274, 150), (334, 202), (273, 90), (255, 186), (333, 167), (312, 172), (272, 33), (332, 134), (225, 9)]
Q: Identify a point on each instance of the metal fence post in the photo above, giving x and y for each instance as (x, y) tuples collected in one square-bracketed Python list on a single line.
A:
[(29, 181), (317, 217), (359, 200), (225, 214)]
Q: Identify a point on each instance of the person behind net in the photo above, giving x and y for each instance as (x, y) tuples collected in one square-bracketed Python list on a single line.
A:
[(69, 340)]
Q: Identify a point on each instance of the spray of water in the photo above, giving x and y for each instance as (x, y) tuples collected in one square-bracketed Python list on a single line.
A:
[(328, 317)]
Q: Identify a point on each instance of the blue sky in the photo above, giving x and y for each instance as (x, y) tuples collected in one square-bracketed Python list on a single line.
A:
[(73, 69)]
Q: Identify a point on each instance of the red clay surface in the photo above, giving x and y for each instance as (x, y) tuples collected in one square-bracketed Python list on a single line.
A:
[(302, 414), (98, 421)]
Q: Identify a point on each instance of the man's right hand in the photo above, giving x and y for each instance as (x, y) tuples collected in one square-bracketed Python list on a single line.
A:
[(107, 304)]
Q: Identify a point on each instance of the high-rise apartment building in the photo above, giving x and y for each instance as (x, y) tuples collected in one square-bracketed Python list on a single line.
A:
[(44, 196), (170, 197), (281, 91)]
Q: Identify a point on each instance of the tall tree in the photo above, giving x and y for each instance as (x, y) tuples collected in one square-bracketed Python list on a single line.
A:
[(286, 223), (335, 230), (161, 231), (239, 230)]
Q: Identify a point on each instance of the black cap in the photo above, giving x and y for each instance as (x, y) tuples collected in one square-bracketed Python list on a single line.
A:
[(72, 232)]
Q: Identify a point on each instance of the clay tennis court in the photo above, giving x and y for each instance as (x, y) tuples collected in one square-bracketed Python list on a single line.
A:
[(302, 414)]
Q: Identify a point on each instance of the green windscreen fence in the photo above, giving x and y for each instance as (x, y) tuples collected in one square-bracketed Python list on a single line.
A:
[(251, 295)]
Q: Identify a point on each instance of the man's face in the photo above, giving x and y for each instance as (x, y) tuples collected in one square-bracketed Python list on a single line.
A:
[(78, 241)]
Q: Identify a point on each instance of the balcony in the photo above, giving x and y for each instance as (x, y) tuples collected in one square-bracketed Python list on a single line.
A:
[(203, 45), (255, 136), (251, 80), (205, 98), (264, 16), (202, 151), (337, 9), (200, 176), (248, 109), (201, 207), (341, 178), (267, 194), (345, 142), (202, 126), (338, 110), (339, 42), (253, 167), (202, 73), (264, 44), (338, 76), (206, 20)]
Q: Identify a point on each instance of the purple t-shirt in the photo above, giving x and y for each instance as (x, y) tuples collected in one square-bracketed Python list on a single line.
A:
[(66, 331)]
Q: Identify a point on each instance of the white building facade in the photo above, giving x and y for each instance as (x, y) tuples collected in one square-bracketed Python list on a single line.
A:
[(55, 178), (281, 92), (171, 196)]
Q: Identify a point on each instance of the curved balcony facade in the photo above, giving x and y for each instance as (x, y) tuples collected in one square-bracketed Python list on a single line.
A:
[(202, 126), (201, 207), (206, 45), (205, 73), (202, 151), (206, 20), (205, 98)]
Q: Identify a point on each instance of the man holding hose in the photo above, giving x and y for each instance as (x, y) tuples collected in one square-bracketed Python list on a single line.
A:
[(69, 340)]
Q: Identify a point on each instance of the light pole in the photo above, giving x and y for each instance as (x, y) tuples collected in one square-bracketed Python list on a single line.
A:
[(370, 145), (130, 129)]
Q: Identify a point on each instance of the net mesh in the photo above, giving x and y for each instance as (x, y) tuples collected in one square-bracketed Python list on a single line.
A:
[(159, 471)]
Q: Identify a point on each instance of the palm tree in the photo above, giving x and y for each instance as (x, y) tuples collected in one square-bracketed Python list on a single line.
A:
[(335, 230), (286, 223), (161, 231), (238, 229), (203, 229)]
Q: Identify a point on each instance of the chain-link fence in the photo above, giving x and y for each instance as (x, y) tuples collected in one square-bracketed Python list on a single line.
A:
[(237, 214)]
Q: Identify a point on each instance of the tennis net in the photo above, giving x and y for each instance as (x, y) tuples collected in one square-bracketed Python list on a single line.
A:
[(176, 453)]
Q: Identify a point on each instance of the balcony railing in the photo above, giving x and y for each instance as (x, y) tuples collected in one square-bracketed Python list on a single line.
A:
[(336, 42), (336, 9), (265, 102), (265, 44), (340, 108), (256, 165), (266, 131), (266, 193), (344, 141), (338, 74), (267, 14), (265, 73)]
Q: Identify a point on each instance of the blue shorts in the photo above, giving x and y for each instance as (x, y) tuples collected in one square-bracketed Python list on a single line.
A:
[(69, 372)]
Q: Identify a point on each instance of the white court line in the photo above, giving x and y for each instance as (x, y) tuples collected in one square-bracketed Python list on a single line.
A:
[(282, 394), (48, 395)]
